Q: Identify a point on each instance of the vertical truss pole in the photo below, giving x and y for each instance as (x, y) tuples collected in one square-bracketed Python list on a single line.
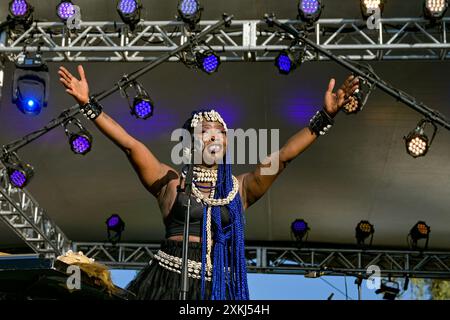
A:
[(28, 220)]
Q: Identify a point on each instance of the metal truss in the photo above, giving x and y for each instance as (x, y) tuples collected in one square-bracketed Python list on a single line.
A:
[(28, 220), (244, 40), (294, 261)]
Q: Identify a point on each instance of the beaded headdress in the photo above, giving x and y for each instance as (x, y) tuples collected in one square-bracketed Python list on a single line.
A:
[(209, 115)]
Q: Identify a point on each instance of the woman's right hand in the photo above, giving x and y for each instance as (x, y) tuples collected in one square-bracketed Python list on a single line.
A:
[(78, 89)]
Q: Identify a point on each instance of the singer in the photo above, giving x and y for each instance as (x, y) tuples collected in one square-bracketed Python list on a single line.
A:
[(216, 262)]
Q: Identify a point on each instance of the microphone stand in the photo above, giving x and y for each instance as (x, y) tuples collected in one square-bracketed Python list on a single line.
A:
[(188, 191)]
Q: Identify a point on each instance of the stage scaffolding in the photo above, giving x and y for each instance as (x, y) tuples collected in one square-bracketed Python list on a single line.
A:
[(244, 40), (23, 215), (292, 260)]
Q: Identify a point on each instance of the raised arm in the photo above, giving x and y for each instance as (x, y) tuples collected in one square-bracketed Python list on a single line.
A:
[(255, 184), (152, 173)]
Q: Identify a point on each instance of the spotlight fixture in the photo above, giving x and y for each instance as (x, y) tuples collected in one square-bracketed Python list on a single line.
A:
[(309, 11), (80, 140), (364, 229), (142, 106), (300, 229), (114, 226), (419, 231), (358, 100), (369, 7), (289, 60), (19, 173), (30, 83), (129, 11), (390, 289), (435, 9), (65, 10), (21, 12), (417, 142), (190, 12), (207, 61), (142, 103)]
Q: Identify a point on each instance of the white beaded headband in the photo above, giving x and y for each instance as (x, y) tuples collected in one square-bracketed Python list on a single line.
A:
[(212, 115)]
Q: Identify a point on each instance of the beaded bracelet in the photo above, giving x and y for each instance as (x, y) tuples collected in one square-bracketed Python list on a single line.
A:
[(321, 123), (92, 109)]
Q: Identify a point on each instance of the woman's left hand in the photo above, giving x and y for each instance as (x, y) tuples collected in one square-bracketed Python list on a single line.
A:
[(334, 101)]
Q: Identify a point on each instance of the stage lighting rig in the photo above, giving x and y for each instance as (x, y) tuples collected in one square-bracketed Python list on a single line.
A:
[(65, 10), (80, 140), (369, 7), (114, 227), (417, 142), (130, 12), (419, 231), (19, 173), (190, 12), (289, 60), (358, 100), (207, 61), (389, 289), (30, 89), (309, 11), (434, 9), (299, 229), (364, 229), (142, 106), (20, 13)]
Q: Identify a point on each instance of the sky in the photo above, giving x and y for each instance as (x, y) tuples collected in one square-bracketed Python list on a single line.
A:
[(291, 287)]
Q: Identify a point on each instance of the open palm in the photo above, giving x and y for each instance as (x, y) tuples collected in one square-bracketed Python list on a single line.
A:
[(334, 101), (77, 88)]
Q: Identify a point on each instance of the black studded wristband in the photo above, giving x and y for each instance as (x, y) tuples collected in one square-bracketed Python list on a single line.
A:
[(92, 109), (321, 123)]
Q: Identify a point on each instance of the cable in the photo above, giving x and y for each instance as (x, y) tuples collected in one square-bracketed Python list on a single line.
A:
[(346, 289), (337, 289)]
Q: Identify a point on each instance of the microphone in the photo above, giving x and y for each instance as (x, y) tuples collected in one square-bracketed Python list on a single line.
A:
[(188, 149)]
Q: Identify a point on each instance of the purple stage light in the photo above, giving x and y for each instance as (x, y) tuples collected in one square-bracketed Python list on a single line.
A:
[(115, 227), (19, 8), (113, 221), (188, 7), (299, 228), (19, 173), (284, 63), (17, 178), (309, 6), (65, 10), (143, 108), (127, 6), (190, 12), (80, 144), (309, 11), (210, 63)]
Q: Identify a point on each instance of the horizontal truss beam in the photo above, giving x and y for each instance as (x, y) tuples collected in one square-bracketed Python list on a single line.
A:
[(290, 260), (244, 40)]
